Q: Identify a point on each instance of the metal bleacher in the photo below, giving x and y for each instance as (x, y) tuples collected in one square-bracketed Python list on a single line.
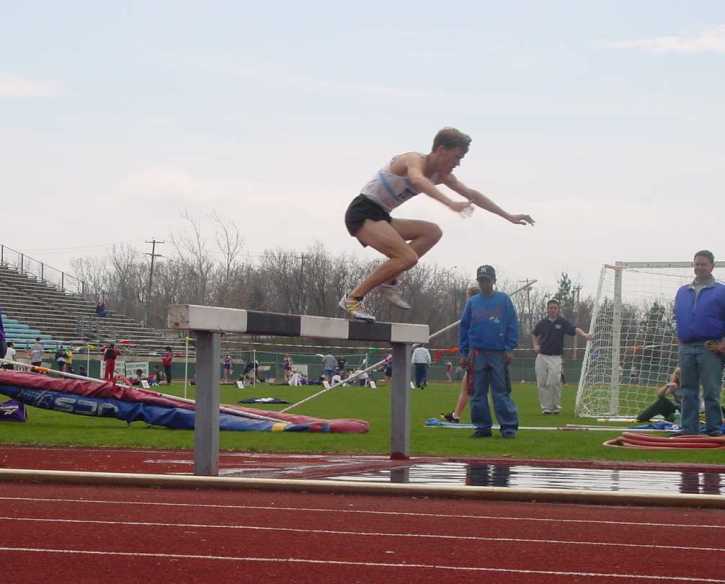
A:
[(23, 335), (56, 316)]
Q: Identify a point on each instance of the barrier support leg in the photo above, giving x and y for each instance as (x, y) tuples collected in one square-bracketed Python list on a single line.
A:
[(400, 403), (206, 429)]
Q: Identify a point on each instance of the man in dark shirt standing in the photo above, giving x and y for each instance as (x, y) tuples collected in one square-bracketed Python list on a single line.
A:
[(548, 342)]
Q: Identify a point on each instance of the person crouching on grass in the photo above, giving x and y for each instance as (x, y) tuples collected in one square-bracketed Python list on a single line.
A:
[(404, 241), (669, 400)]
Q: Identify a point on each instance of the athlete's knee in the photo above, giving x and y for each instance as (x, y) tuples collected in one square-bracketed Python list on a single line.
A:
[(409, 258), (434, 233)]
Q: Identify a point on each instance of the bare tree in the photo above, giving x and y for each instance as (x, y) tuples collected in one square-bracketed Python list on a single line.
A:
[(310, 282), (194, 260)]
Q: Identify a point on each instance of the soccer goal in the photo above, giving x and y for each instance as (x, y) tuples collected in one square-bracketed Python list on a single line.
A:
[(634, 349)]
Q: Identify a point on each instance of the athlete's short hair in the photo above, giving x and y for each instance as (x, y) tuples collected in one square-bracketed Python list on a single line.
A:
[(451, 138)]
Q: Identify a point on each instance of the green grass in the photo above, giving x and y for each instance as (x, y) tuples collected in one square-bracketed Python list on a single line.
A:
[(57, 429)]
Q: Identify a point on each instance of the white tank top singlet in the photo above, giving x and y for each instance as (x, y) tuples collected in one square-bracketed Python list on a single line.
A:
[(388, 189)]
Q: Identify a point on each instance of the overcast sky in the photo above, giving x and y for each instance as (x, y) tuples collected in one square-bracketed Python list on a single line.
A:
[(604, 120)]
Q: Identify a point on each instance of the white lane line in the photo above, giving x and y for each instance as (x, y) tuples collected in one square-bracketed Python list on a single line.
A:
[(656, 578), (307, 531), (367, 512)]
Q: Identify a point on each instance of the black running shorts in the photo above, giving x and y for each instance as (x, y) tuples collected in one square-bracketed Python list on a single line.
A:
[(363, 208)]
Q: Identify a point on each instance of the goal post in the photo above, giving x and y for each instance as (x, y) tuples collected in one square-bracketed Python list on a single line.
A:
[(634, 345)]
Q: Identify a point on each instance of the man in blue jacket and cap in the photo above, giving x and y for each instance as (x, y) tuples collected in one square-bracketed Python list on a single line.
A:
[(700, 315), (488, 334)]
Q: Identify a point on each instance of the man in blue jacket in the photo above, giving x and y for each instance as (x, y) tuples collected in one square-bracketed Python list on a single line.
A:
[(700, 315), (487, 337)]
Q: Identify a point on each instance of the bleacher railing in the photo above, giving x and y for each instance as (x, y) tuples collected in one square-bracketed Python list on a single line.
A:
[(41, 271)]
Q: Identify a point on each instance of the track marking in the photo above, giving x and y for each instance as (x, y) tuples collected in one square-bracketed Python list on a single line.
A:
[(365, 564), (359, 533), (370, 512)]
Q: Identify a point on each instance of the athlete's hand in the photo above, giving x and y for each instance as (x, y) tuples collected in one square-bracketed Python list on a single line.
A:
[(521, 219), (463, 207)]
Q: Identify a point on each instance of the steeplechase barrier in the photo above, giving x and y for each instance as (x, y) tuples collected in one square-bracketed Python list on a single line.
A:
[(207, 323)]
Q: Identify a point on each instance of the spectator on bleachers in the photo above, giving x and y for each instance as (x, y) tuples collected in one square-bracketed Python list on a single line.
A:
[(3, 346), (10, 353), (101, 310), (60, 358), (82, 371), (35, 353), (167, 360)]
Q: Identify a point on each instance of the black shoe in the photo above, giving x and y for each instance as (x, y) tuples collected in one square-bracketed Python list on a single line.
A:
[(449, 417), (482, 434), (508, 434)]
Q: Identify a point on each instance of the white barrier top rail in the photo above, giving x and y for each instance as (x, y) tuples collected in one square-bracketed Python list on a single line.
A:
[(236, 320)]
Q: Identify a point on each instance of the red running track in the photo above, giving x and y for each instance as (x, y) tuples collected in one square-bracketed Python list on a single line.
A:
[(80, 534)]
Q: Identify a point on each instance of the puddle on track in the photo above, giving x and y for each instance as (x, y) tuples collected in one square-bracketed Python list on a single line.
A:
[(537, 477)]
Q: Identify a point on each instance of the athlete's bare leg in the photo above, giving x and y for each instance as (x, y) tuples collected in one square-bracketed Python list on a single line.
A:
[(463, 397), (403, 241)]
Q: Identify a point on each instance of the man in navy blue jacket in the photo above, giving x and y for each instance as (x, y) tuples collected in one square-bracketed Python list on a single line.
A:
[(488, 334), (700, 314)]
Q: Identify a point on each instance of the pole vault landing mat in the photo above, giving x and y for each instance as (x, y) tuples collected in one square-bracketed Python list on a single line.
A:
[(515, 474)]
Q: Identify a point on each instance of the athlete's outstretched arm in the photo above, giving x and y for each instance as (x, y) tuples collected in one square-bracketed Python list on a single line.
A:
[(484, 202), (414, 165)]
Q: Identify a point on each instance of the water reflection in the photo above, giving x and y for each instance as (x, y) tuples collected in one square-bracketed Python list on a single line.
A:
[(488, 475), (706, 483), (540, 477)]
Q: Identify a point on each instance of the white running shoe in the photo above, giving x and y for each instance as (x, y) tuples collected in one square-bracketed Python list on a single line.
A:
[(391, 293), (353, 308)]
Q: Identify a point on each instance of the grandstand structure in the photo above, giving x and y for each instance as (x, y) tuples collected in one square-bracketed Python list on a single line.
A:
[(40, 302), (33, 307)]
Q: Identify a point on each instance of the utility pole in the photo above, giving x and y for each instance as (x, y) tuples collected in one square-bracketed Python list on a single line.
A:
[(529, 316), (153, 255), (301, 298)]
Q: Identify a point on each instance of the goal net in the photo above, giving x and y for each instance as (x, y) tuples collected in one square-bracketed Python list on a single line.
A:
[(634, 349)]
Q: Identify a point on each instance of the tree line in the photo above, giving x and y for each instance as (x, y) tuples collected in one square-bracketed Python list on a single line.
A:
[(194, 270)]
